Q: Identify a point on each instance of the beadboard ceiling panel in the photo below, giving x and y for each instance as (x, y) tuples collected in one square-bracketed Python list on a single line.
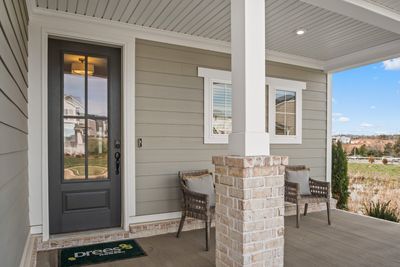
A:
[(393, 5), (329, 35)]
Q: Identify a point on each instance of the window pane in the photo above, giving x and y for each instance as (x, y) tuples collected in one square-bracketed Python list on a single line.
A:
[(74, 85), (97, 149), (97, 86), (74, 149), (290, 124), (280, 124), (285, 113), (222, 108), (291, 102)]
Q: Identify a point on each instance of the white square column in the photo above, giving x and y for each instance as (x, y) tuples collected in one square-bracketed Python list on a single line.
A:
[(248, 137)]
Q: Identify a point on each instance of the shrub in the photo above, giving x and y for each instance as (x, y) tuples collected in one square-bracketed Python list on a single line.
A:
[(371, 160), (385, 161), (381, 211), (340, 180)]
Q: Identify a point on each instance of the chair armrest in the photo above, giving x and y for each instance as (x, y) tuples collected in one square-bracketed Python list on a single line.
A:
[(195, 202), (292, 192), (319, 188)]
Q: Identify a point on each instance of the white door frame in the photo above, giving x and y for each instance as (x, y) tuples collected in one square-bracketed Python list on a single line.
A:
[(127, 45)]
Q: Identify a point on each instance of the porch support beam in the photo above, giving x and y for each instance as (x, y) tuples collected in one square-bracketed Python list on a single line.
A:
[(248, 137)]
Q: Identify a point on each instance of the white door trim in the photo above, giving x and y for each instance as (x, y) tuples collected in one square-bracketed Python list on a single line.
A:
[(127, 45)]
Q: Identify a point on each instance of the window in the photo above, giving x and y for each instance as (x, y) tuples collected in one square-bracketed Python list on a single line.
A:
[(217, 105), (285, 111), (283, 116)]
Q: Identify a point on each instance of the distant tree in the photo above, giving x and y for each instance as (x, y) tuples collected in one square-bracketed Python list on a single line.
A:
[(371, 160), (396, 148), (354, 151), (362, 151), (340, 179), (388, 150)]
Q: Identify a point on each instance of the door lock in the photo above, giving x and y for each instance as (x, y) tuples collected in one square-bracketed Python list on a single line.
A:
[(140, 142), (117, 157)]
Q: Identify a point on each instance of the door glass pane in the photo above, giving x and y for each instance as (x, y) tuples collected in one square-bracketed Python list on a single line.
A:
[(97, 86), (74, 85), (74, 149), (97, 149)]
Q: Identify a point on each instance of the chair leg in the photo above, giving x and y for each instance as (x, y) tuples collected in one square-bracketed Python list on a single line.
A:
[(297, 215), (328, 211), (305, 209), (207, 233), (181, 224)]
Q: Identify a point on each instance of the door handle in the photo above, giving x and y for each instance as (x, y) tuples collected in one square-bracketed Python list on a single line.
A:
[(117, 157)]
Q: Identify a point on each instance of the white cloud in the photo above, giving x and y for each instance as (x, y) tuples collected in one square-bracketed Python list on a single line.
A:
[(372, 107), (392, 64), (366, 125), (344, 119)]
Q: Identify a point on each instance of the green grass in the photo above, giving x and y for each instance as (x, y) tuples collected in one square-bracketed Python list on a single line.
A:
[(376, 171)]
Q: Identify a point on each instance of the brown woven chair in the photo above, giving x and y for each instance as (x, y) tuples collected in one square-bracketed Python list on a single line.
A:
[(195, 205), (319, 193)]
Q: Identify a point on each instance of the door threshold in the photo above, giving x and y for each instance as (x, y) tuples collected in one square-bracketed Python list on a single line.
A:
[(73, 239)]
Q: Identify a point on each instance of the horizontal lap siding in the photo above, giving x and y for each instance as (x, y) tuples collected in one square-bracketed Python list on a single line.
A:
[(312, 151), (14, 225), (169, 119)]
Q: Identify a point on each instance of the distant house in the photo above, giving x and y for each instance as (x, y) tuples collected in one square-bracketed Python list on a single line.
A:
[(342, 139)]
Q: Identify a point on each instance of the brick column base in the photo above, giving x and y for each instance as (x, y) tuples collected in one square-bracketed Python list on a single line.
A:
[(249, 210)]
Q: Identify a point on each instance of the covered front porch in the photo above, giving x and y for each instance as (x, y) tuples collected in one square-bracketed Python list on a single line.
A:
[(184, 84), (351, 240)]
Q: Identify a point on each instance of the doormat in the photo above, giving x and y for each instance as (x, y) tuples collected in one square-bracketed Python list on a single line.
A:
[(98, 253)]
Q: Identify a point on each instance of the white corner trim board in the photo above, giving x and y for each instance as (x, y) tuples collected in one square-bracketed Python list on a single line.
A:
[(329, 128)]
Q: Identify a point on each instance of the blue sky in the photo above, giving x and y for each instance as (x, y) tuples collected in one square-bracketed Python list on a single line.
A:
[(366, 100)]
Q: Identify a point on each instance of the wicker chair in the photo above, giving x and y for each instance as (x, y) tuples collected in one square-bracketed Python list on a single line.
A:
[(319, 193), (195, 205)]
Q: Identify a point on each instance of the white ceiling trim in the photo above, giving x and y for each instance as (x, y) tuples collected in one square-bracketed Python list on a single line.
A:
[(364, 57), (157, 35), (362, 10)]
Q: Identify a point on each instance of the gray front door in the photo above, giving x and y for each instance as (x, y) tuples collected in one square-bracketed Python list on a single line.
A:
[(84, 133)]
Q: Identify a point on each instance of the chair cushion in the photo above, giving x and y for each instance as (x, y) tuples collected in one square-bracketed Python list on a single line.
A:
[(301, 177), (203, 184)]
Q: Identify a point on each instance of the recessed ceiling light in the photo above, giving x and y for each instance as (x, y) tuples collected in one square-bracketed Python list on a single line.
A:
[(300, 31)]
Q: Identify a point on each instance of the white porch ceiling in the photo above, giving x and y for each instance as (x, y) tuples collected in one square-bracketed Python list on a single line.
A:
[(330, 35), (393, 5)]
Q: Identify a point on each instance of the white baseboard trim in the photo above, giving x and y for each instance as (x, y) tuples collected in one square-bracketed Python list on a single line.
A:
[(155, 217), (26, 259), (36, 229)]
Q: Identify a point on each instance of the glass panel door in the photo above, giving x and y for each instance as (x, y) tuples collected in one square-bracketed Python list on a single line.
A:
[(85, 105)]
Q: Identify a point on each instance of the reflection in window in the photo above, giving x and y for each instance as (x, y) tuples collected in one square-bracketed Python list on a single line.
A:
[(74, 86), (285, 113), (97, 149), (74, 149), (222, 108), (85, 127), (97, 87)]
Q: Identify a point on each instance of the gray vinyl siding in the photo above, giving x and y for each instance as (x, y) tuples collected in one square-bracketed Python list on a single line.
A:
[(169, 118), (14, 222)]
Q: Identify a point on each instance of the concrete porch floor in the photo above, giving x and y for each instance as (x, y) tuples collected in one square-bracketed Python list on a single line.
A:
[(351, 240)]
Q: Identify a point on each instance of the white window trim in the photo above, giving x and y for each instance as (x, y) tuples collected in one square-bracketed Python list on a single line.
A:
[(275, 84), (213, 75)]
